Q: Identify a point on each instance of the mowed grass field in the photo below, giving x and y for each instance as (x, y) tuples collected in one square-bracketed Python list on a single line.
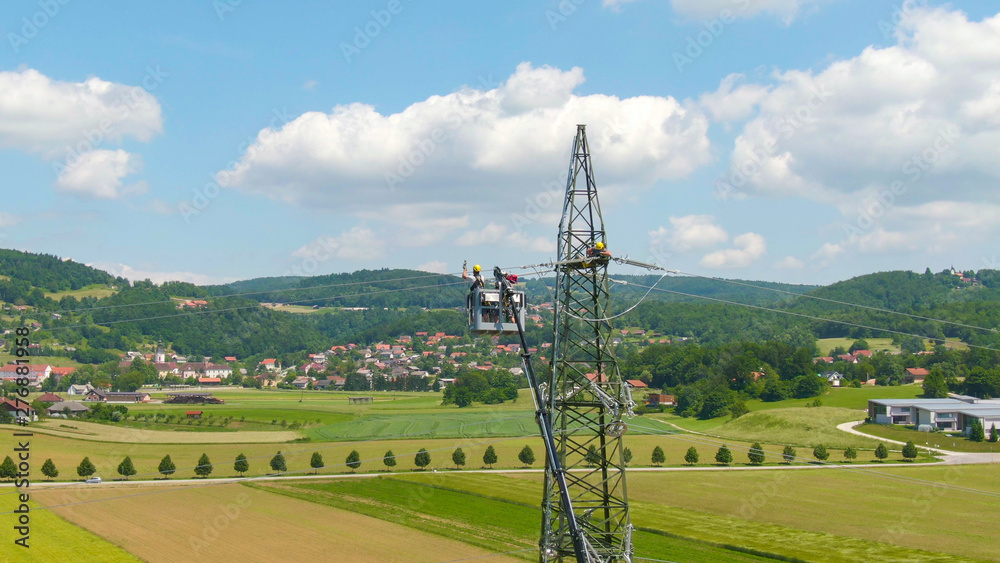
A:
[(56, 361), (236, 523), (839, 397), (874, 505), (825, 345), (801, 426), (931, 439), (98, 291), (53, 539)]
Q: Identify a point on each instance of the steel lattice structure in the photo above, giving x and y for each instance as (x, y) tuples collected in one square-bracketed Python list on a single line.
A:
[(585, 393)]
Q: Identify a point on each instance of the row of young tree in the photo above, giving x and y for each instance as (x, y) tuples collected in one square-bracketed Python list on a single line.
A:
[(757, 456), (205, 467)]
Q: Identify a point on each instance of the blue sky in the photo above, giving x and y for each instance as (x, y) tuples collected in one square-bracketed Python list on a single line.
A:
[(789, 140)]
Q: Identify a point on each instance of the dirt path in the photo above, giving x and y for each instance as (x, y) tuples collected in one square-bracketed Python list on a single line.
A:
[(949, 457)]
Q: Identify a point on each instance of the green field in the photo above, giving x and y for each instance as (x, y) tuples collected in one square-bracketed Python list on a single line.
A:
[(796, 426), (840, 397), (53, 539), (432, 504), (55, 361), (931, 439), (98, 291), (825, 345), (500, 513)]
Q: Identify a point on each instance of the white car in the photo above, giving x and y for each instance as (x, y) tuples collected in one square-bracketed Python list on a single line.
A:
[(94, 480)]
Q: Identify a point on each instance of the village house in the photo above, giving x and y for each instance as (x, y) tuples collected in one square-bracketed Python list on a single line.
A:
[(67, 408)]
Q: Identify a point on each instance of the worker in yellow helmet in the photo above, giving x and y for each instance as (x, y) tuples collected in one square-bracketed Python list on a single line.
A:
[(477, 277), (598, 251)]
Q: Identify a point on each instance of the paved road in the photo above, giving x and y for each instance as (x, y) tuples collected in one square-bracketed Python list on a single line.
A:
[(948, 457)]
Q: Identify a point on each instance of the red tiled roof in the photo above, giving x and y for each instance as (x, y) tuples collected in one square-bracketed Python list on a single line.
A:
[(230, 358), (637, 384), (209, 380), (63, 371), (50, 398), (918, 371)]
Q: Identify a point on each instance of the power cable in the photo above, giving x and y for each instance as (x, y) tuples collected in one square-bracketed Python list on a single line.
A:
[(815, 318), (289, 289), (807, 296), (230, 309)]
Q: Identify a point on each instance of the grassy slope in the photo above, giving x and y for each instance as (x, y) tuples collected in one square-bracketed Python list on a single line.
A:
[(57, 361), (846, 397), (825, 345), (797, 426), (98, 291)]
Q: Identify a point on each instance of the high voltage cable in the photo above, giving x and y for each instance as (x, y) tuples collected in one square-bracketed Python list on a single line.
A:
[(807, 296), (337, 444), (812, 317), (227, 481), (247, 307), (709, 441), (478, 557), (257, 292)]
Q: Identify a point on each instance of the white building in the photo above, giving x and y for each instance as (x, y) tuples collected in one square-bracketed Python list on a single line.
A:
[(957, 413)]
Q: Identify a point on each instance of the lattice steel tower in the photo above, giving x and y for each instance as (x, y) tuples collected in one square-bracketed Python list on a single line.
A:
[(585, 393)]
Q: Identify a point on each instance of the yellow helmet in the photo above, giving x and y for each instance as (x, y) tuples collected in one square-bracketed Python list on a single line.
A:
[(599, 245), (476, 268)]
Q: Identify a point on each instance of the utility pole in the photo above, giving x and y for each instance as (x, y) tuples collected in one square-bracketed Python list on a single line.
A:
[(585, 395)]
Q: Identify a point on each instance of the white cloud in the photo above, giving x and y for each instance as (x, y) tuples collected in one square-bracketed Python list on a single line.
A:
[(615, 5), (496, 235), (450, 150), (133, 274), (789, 263), (691, 232), (46, 116), (733, 101), (8, 220), (310, 85), (98, 174), (712, 9), (749, 247), (827, 253), (434, 267), (360, 244), (917, 112)]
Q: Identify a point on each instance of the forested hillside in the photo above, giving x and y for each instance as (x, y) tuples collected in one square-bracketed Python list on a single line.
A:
[(399, 301)]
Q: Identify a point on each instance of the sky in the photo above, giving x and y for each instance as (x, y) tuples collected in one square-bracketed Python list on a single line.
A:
[(803, 141)]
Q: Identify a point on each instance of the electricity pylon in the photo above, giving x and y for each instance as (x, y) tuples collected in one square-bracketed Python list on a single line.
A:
[(585, 393)]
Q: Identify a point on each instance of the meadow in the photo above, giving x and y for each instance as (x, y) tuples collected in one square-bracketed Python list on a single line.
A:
[(97, 291), (931, 439)]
